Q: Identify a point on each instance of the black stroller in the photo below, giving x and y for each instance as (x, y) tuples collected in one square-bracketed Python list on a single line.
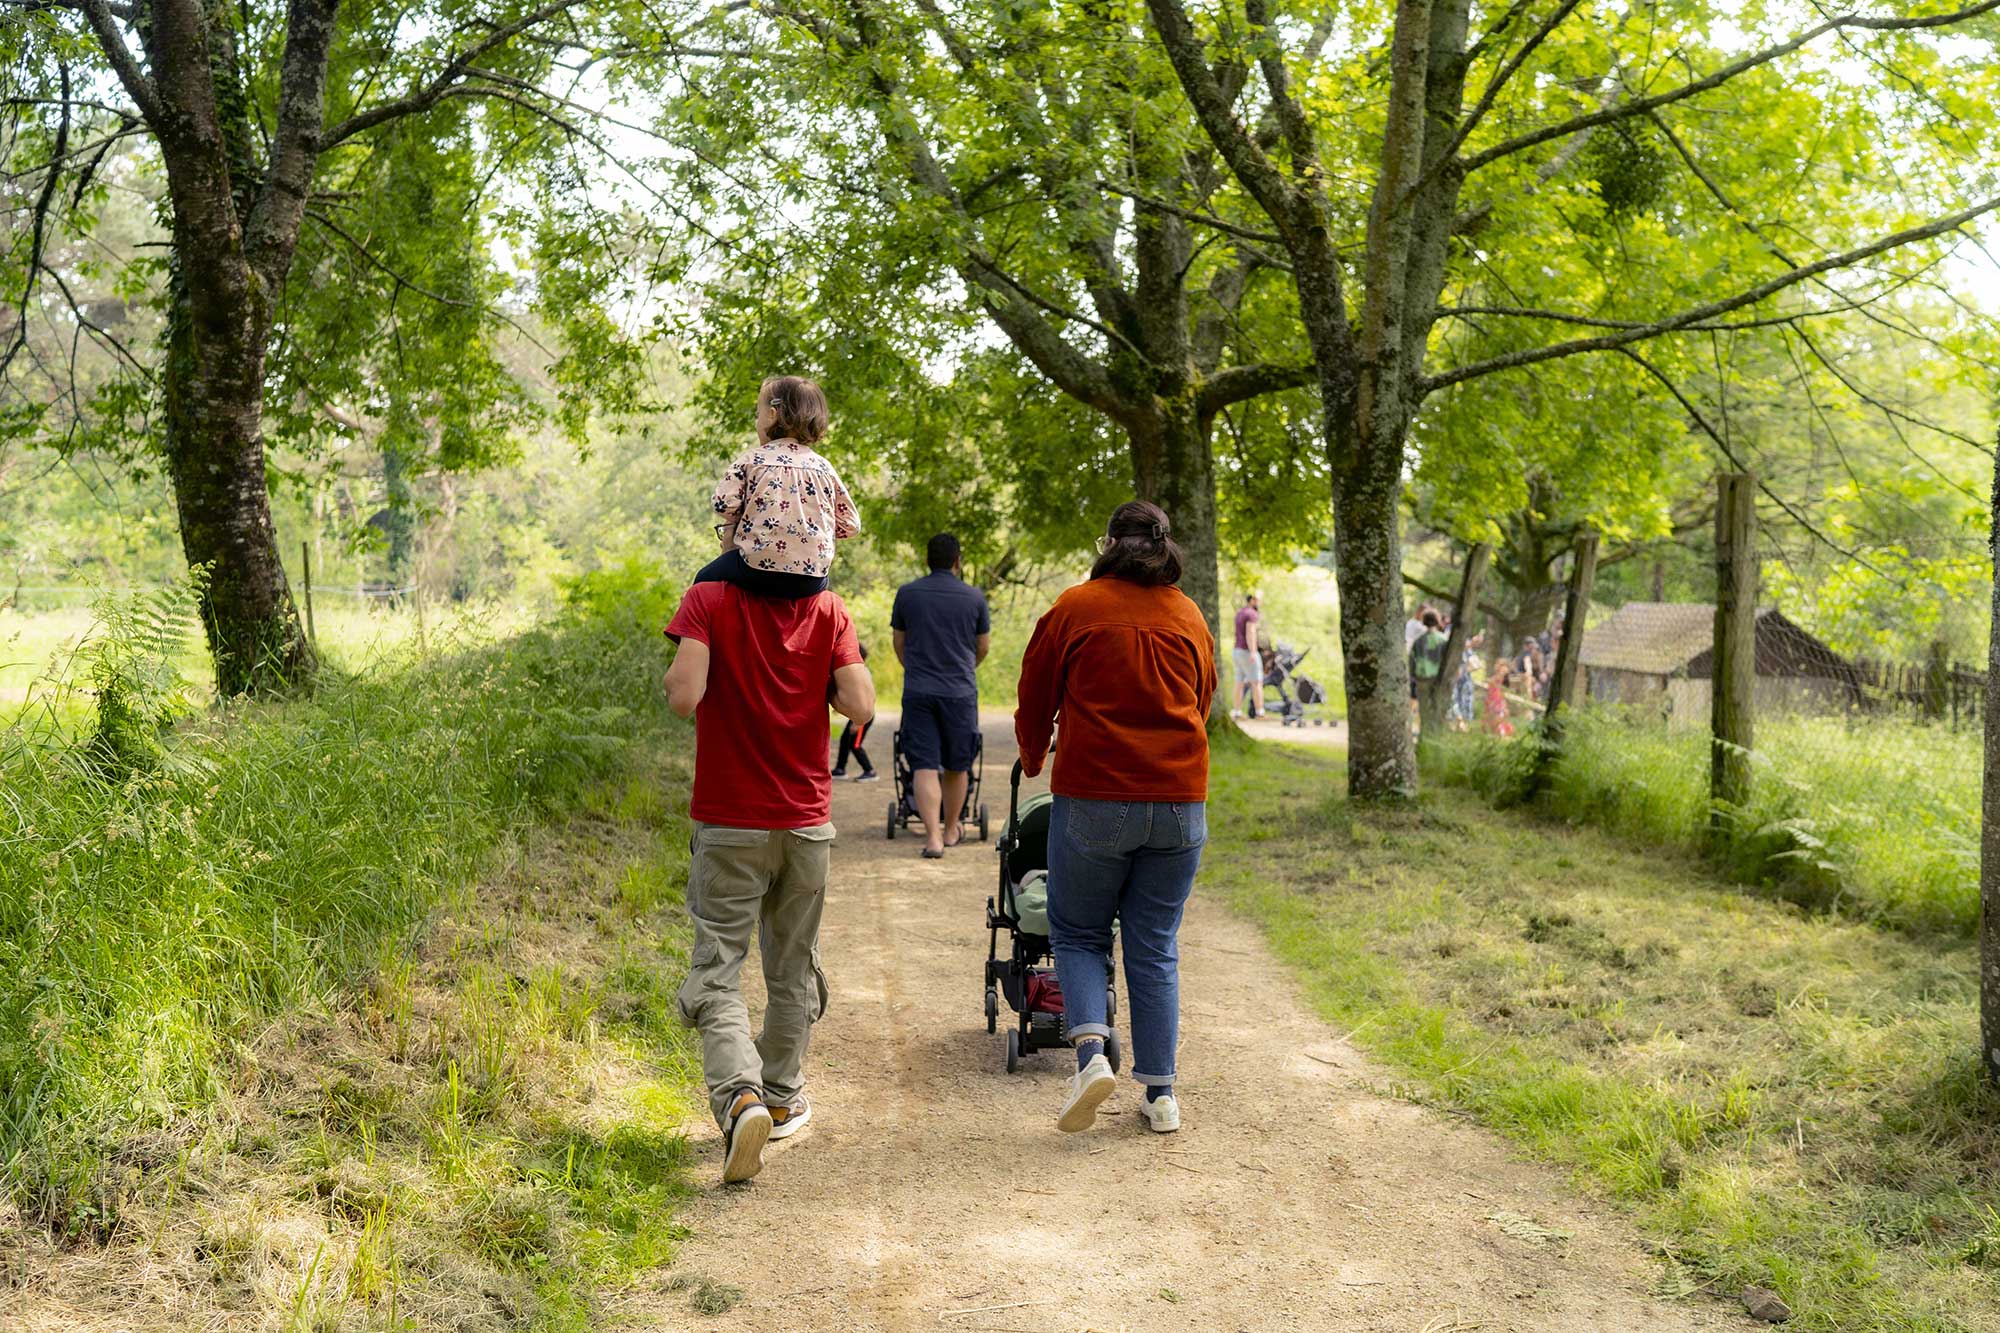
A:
[(1281, 671), (1026, 976), (903, 810)]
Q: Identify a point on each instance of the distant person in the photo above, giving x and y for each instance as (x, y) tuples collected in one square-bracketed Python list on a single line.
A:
[(1249, 670), (851, 737), (1426, 656), (1528, 665), (1126, 664), (1469, 662), (1413, 628), (943, 631), (757, 673), (781, 506), (1496, 697)]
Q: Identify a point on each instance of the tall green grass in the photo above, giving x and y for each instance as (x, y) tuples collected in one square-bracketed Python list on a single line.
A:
[(1877, 816), (154, 910)]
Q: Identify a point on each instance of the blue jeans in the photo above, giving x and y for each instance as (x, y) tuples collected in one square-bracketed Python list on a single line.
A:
[(1132, 862)]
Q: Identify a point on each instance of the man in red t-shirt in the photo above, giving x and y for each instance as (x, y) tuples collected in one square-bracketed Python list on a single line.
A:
[(758, 673)]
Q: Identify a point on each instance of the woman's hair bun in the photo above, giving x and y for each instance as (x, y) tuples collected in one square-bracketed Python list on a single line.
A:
[(1141, 547)]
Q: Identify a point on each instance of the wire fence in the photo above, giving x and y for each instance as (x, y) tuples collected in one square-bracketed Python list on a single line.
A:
[(1838, 781), (82, 594)]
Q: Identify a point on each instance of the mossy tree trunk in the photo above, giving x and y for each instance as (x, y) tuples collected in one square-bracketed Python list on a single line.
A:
[(214, 401), (235, 223)]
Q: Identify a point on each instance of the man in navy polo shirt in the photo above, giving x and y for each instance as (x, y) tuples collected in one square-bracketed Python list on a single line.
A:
[(943, 631)]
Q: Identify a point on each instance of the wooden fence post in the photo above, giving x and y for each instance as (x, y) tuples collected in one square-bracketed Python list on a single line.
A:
[(1937, 681), (306, 570), (1582, 578), (1989, 828), (1733, 663), (1433, 700)]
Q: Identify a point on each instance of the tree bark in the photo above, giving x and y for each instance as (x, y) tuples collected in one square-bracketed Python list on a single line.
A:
[(219, 320), (1368, 560), (1173, 465), (1989, 826), (1733, 661), (1569, 652), (214, 401), (1434, 700)]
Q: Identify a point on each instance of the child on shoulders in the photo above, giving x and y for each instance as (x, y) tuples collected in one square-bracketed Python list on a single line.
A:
[(780, 507)]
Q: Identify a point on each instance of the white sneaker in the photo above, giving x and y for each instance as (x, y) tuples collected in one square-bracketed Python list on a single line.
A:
[(789, 1120), (1162, 1115), (749, 1130), (1087, 1091)]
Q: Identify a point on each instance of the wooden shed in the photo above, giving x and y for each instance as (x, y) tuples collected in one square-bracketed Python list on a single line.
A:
[(1659, 655)]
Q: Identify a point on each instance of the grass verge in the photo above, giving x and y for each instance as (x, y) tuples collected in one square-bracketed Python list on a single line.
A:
[(487, 1133), (239, 1047), (1779, 1098), (1865, 817)]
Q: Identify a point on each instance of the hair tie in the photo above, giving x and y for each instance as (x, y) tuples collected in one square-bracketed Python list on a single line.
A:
[(1159, 532)]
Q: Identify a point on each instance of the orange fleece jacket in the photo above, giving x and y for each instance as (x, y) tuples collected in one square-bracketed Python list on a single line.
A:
[(1128, 671)]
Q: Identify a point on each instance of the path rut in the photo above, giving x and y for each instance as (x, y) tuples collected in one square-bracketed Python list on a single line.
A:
[(931, 1189)]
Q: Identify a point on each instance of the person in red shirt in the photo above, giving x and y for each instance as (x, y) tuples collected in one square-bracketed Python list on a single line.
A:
[(1126, 664), (757, 674)]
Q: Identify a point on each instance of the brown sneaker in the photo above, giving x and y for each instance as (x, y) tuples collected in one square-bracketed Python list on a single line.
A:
[(744, 1139), (789, 1120)]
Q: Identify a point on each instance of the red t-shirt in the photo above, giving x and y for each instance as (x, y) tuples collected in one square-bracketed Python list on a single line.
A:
[(760, 731)]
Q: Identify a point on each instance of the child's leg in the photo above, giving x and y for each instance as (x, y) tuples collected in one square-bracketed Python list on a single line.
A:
[(725, 568), (771, 583)]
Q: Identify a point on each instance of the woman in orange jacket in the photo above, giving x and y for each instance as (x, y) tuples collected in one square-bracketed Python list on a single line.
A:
[(1126, 664)]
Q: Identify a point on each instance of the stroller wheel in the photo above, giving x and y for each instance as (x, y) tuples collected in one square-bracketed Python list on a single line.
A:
[(1013, 1050), (984, 831), (992, 1010), (1113, 1052), (892, 821), (1111, 1004)]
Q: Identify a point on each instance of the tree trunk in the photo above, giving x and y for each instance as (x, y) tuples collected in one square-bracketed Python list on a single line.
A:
[(399, 505), (1437, 698), (214, 410), (1733, 661), (1174, 467), (1569, 652), (1989, 831), (1368, 559)]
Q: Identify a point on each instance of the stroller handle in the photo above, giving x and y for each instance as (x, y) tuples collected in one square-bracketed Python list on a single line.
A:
[(1014, 792)]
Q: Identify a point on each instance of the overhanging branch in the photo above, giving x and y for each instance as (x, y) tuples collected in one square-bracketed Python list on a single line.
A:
[(1642, 105), (1625, 337)]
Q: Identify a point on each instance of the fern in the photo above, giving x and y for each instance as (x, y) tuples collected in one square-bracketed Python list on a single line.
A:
[(131, 661)]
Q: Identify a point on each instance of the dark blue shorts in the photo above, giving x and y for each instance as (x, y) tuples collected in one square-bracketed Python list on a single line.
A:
[(940, 731)]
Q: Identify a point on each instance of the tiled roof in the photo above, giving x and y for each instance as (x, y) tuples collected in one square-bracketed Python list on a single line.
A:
[(1657, 638)]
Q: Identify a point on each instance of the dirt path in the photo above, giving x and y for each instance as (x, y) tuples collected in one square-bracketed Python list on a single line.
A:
[(931, 1185)]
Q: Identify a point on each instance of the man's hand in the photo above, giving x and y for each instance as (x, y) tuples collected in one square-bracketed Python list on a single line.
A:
[(854, 693)]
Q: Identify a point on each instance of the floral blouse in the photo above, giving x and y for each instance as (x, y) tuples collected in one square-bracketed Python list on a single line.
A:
[(789, 508)]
